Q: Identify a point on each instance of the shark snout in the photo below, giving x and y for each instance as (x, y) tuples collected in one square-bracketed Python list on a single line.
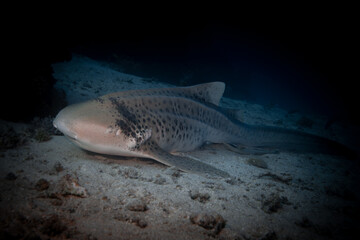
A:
[(63, 125), (55, 124)]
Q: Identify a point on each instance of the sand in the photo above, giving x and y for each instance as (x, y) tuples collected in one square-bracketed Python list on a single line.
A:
[(54, 190)]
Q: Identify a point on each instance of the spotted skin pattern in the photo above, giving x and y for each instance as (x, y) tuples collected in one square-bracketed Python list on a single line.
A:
[(156, 123), (179, 121)]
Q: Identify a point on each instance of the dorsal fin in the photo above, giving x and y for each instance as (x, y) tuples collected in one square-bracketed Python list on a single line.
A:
[(208, 92)]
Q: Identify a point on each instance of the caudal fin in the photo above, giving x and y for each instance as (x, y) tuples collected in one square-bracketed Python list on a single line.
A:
[(291, 140)]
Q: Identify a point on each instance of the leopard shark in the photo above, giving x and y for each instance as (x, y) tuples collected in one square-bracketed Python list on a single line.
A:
[(159, 123)]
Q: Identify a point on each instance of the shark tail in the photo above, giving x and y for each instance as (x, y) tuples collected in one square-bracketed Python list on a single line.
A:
[(291, 140)]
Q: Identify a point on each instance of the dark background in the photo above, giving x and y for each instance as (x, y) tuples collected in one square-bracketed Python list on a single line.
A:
[(301, 60)]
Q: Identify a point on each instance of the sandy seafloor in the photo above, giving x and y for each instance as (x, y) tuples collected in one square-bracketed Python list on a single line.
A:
[(55, 190)]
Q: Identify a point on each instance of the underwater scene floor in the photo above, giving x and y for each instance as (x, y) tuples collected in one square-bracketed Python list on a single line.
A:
[(51, 189)]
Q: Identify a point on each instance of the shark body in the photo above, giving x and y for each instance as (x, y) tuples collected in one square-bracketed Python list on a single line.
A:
[(154, 123)]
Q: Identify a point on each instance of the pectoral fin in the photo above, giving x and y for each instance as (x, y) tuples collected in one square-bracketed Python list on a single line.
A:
[(186, 164)]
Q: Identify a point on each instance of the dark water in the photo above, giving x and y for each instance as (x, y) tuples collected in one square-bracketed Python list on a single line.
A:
[(300, 64), (302, 68)]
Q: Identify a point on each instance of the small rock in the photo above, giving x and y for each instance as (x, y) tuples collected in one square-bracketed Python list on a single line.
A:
[(58, 167), (132, 219), (69, 186), (11, 176), (176, 174), (257, 162), (137, 206), (122, 217), (286, 178), (57, 202), (160, 180), (273, 203), (130, 173), (213, 222), (53, 226), (139, 222), (42, 185), (201, 197)]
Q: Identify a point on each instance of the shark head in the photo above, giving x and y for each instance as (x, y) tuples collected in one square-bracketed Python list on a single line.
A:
[(93, 126)]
